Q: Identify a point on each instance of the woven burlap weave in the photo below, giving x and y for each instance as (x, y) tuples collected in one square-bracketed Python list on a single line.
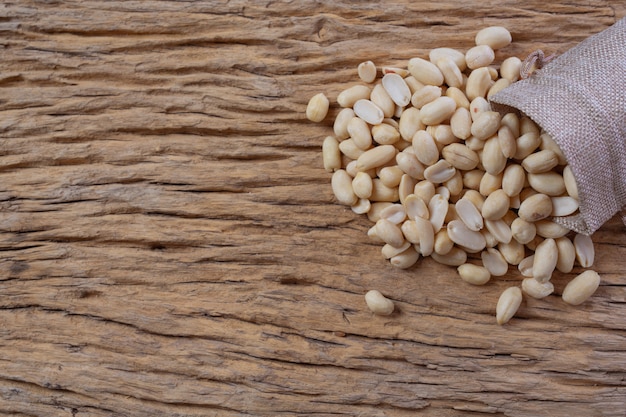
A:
[(580, 99)]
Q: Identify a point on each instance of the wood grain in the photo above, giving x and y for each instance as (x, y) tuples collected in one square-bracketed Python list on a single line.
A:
[(171, 247)]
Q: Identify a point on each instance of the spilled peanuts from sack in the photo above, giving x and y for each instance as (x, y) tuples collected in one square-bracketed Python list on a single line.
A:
[(419, 151)]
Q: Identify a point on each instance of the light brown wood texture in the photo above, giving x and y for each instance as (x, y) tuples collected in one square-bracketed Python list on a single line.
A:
[(171, 245)]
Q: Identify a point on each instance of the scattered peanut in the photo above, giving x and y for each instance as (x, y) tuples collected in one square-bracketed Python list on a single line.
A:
[(581, 288), (378, 303), (317, 109), (508, 304)]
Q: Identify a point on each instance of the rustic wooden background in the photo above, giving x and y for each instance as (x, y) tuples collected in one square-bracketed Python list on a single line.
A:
[(170, 244)]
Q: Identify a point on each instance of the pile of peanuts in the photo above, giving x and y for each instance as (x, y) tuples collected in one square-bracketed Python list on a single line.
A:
[(421, 153)]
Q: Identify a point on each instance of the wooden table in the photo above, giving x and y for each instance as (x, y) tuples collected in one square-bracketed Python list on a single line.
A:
[(171, 245)]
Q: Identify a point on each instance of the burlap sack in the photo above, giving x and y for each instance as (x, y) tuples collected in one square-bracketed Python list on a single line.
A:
[(580, 99)]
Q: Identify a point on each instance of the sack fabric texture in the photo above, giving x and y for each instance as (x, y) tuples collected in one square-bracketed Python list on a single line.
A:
[(579, 98)]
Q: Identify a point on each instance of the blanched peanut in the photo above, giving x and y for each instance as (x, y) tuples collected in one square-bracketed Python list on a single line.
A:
[(330, 154), (526, 144), (490, 183), (542, 161), (351, 95), (439, 172), (570, 182), (564, 206), (459, 97), (413, 84), (513, 180), (410, 231), (367, 71), (443, 243), (450, 71), (461, 123), (585, 252), (477, 106), (341, 184), (416, 207), (376, 157), (549, 183), (438, 209), (395, 213), (397, 89), (486, 124), (496, 205), (474, 274), (469, 214), (368, 111), (496, 37), (362, 206), (455, 184), (425, 190), (340, 126), (360, 133), (547, 143), (549, 229), (443, 134), (380, 192), (508, 304), (479, 56), (510, 67), (437, 111), (523, 231), (385, 134), (425, 148), (546, 256), (526, 266), (464, 237), (389, 251), (377, 207), (527, 125), (425, 95), (425, 72), (378, 303), (406, 187), (455, 257), (507, 141), (537, 289), (457, 56), (406, 259), (393, 70), (362, 185), (513, 251), (410, 122), (426, 235), (390, 233), (381, 98), (494, 262), (478, 83), (317, 108), (460, 156), (535, 207), (492, 157), (567, 254), (500, 230), (498, 86), (472, 179), (578, 290), (349, 149), (390, 175)]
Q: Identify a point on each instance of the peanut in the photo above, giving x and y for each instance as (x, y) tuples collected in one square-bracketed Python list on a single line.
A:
[(378, 303)]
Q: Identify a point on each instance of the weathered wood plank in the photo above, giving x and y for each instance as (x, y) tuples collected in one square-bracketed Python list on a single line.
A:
[(171, 245)]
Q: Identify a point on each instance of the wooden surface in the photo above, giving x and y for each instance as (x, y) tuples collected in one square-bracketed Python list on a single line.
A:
[(170, 244)]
